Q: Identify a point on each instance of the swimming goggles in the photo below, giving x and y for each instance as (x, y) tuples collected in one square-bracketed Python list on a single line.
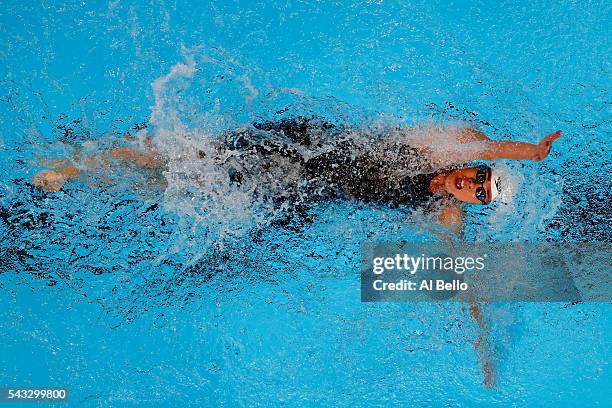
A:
[(481, 177)]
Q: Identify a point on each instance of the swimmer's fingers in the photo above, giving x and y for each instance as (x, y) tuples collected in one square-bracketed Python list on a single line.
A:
[(552, 137), (545, 145)]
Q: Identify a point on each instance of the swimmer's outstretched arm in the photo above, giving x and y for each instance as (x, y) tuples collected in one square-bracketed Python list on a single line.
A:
[(487, 149)]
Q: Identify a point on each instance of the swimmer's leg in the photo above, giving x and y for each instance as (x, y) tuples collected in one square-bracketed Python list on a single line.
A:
[(64, 170), (54, 180), (148, 159)]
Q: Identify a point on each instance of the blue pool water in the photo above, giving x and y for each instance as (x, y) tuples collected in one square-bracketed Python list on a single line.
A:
[(132, 296)]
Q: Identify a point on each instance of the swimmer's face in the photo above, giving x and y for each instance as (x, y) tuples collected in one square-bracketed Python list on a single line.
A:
[(470, 184)]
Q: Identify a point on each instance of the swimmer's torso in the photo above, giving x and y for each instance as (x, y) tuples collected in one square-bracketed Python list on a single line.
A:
[(297, 161)]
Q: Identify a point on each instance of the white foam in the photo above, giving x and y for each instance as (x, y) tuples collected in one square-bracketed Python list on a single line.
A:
[(198, 188)]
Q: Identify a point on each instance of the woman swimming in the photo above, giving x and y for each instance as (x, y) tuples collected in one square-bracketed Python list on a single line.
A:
[(295, 162)]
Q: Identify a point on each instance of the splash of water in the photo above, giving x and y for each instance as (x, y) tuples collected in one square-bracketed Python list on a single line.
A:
[(199, 160)]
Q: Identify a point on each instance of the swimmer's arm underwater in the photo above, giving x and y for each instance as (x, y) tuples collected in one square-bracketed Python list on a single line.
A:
[(488, 149), (451, 218)]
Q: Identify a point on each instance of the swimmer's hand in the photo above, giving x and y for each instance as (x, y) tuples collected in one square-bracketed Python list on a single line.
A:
[(542, 149)]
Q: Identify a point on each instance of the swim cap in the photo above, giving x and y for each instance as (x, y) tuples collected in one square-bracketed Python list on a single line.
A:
[(495, 184)]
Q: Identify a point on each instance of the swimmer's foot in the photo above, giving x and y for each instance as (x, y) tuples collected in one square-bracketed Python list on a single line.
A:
[(54, 180), (49, 180)]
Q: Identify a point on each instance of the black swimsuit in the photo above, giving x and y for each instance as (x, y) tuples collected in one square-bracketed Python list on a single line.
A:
[(343, 170), (365, 179)]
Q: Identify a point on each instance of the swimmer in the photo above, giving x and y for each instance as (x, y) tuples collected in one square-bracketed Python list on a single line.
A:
[(300, 161), (405, 167)]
